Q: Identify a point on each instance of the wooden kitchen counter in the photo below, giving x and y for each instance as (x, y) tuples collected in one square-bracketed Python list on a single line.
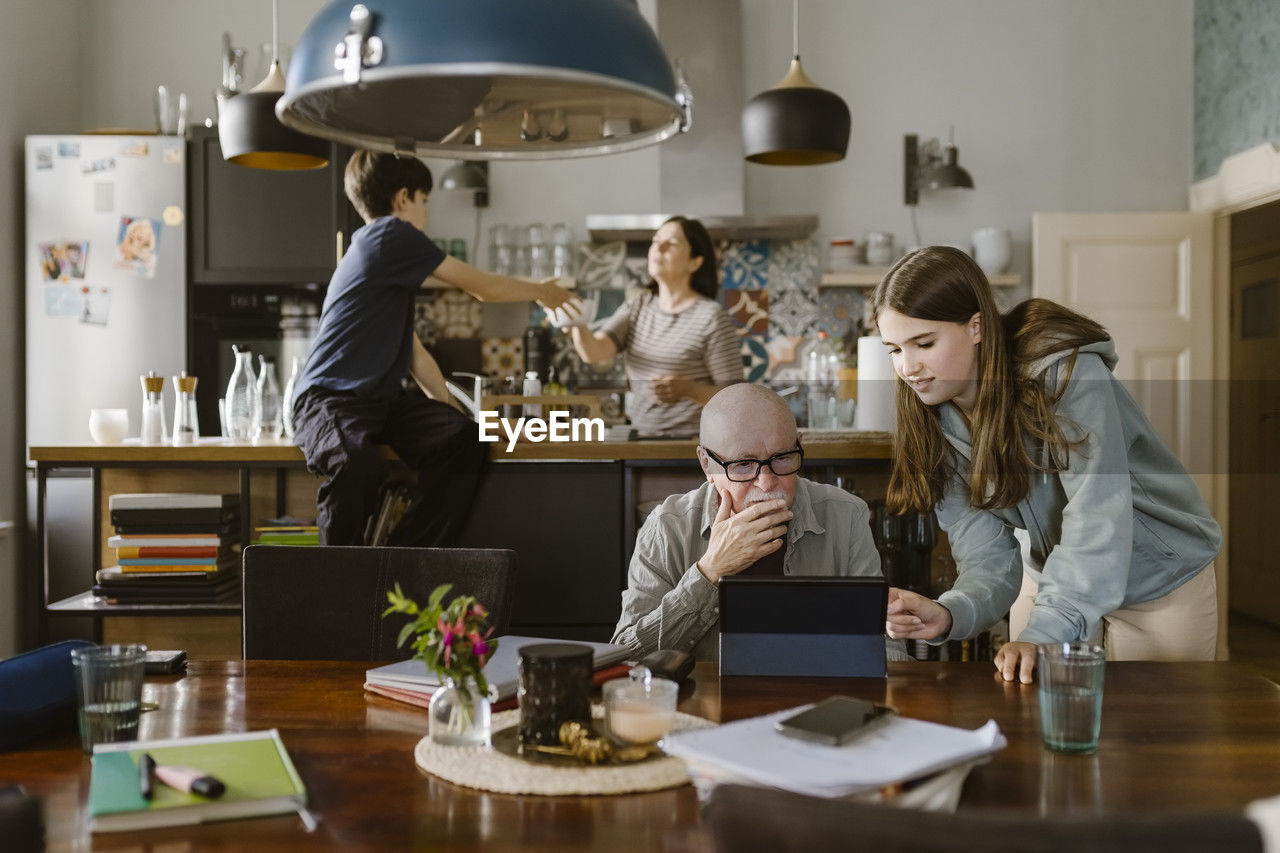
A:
[(850, 445)]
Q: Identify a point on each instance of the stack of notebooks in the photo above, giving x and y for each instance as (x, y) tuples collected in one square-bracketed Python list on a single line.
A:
[(409, 681), (173, 549), (287, 531)]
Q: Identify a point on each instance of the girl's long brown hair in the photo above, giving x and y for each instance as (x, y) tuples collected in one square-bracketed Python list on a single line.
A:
[(944, 284)]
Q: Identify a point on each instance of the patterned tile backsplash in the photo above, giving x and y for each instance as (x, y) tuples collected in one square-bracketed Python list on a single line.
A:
[(769, 287)]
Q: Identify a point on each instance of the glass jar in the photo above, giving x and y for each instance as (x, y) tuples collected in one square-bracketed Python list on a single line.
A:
[(185, 424), (879, 248), (458, 715), (153, 431), (266, 403)]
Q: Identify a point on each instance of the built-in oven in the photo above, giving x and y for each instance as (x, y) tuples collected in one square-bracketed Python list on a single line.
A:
[(278, 322)]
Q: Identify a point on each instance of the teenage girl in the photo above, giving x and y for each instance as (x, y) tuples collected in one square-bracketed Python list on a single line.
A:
[(1016, 422)]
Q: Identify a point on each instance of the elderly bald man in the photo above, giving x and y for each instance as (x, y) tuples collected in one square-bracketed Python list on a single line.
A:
[(755, 515)]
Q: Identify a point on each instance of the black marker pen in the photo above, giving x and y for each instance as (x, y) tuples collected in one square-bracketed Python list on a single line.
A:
[(146, 775)]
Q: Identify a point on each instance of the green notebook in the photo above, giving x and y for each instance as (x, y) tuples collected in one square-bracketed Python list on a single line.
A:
[(255, 767)]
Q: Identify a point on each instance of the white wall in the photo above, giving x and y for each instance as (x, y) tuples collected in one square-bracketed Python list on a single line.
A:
[(1058, 105), (40, 63)]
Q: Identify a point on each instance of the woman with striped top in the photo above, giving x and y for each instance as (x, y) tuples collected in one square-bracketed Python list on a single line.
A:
[(680, 345)]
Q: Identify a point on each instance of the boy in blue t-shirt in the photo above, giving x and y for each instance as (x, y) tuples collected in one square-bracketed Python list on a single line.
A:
[(349, 398)]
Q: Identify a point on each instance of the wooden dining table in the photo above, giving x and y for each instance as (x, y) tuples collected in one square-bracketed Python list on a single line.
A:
[(1176, 738)]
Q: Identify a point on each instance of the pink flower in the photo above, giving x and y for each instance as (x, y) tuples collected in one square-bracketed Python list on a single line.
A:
[(478, 611), (447, 639), (481, 649)]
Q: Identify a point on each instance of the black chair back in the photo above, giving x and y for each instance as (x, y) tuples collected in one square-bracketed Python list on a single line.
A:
[(326, 602), (745, 819)]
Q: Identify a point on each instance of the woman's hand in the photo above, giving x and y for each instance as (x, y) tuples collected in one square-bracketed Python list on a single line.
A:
[(912, 616), (1016, 661), (670, 389)]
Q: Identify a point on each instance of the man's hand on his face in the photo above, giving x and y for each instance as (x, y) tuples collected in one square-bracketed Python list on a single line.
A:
[(739, 540)]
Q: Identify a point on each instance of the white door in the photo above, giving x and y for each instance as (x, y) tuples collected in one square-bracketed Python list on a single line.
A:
[(1148, 278)]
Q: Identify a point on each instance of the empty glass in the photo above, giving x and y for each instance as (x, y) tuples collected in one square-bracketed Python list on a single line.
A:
[(501, 252)]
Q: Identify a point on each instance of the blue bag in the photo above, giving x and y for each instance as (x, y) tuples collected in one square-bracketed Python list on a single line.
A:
[(37, 693)]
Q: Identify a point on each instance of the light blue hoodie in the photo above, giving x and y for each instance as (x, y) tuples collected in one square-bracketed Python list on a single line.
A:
[(1124, 523)]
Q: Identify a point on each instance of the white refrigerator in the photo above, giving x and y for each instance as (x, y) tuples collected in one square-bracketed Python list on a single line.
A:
[(105, 277)]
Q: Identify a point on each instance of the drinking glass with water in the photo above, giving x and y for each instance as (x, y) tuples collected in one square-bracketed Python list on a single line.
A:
[(1071, 677), (108, 692)]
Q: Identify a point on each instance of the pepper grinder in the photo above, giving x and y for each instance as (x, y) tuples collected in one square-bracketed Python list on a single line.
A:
[(186, 428), (152, 408)]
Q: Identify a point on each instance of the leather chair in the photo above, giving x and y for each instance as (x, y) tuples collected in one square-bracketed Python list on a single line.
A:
[(326, 602), (744, 819)]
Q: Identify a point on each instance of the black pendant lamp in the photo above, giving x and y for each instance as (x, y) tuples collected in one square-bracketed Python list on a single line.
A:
[(250, 133), (796, 123)]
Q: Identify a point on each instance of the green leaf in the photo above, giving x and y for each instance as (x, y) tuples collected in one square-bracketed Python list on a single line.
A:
[(437, 595), (405, 633)]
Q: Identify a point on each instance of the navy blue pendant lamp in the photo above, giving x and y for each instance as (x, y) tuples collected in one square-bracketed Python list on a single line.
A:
[(796, 123), (251, 135), (485, 79)]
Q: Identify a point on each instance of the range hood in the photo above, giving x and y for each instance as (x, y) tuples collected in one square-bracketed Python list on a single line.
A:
[(627, 227)]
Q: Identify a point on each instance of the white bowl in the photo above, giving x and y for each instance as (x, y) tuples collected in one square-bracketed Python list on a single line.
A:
[(109, 426)]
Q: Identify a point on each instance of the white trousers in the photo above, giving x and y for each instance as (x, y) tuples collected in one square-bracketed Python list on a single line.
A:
[(1182, 625)]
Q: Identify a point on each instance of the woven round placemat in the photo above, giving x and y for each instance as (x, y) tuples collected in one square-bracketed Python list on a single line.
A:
[(490, 770)]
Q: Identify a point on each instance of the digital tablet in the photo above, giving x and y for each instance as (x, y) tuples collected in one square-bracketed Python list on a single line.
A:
[(802, 626)]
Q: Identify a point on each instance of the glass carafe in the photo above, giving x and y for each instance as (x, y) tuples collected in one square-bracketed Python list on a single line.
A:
[(286, 400), (241, 391), (186, 428), (152, 409), (266, 403)]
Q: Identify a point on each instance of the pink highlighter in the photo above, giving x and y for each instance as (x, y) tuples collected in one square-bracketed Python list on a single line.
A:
[(191, 780)]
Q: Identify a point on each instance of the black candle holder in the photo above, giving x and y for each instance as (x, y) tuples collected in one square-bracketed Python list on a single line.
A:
[(555, 687)]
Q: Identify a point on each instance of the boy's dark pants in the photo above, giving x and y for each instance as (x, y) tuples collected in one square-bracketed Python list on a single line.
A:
[(340, 433)]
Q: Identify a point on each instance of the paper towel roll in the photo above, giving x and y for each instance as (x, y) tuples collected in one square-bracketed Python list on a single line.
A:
[(876, 383)]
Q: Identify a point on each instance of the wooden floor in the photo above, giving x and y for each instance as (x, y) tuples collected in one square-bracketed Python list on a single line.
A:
[(1255, 642)]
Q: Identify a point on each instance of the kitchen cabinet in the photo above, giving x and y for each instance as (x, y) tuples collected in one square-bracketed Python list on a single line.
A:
[(259, 226)]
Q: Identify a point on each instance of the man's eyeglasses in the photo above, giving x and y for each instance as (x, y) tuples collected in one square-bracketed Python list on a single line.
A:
[(746, 470)]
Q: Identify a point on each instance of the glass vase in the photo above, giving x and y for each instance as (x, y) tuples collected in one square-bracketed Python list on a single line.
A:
[(459, 715)]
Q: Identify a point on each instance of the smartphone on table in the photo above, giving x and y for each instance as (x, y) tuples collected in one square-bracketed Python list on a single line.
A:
[(836, 720)]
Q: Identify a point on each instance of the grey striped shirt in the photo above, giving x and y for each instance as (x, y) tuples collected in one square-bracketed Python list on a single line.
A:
[(697, 343)]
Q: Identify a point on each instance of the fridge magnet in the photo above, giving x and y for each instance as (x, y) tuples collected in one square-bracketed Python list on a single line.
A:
[(97, 304), (102, 164), (171, 155), (63, 300), (137, 243), (133, 149), (172, 215), (68, 149), (64, 260), (44, 157)]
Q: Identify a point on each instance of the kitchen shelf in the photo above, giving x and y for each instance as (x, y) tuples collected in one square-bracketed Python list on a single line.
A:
[(870, 277), (90, 604)]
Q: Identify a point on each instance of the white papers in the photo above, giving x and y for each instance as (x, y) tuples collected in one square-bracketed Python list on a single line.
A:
[(502, 671), (900, 750)]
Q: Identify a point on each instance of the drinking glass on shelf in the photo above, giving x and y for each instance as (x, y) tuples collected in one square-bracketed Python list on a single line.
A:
[(922, 535), (889, 538)]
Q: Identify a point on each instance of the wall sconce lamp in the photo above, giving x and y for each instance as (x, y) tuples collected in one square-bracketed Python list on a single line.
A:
[(931, 166), (473, 176)]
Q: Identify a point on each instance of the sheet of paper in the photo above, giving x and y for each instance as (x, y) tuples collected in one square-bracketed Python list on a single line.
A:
[(902, 749)]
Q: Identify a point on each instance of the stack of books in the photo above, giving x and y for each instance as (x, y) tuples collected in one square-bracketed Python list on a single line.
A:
[(287, 531), (173, 549)]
